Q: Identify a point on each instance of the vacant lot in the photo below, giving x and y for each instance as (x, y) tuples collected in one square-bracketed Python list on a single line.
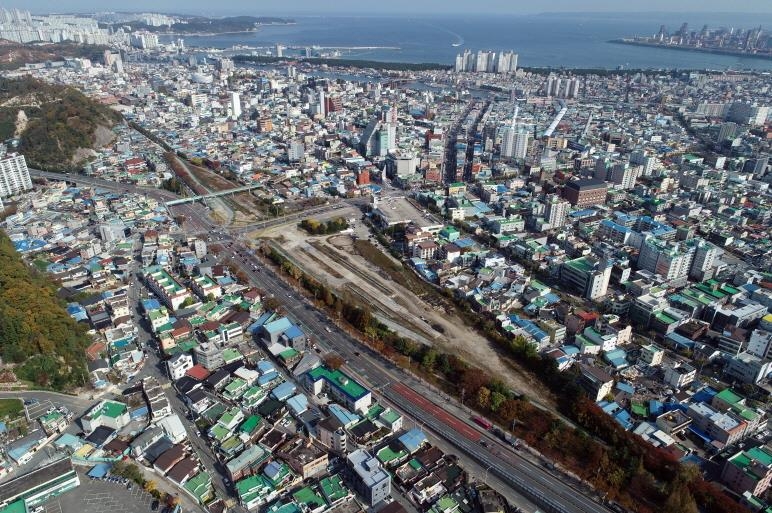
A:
[(354, 266), (10, 408)]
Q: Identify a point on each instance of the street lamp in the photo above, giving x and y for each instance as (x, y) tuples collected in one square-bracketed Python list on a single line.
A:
[(485, 479)]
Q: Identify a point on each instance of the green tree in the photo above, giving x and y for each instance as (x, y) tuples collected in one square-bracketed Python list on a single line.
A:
[(429, 359), (497, 399)]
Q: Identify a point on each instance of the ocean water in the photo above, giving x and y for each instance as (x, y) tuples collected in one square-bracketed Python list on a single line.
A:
[(545, 40)]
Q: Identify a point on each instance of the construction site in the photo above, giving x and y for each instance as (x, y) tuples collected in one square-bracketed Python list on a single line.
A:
[(356, 265)]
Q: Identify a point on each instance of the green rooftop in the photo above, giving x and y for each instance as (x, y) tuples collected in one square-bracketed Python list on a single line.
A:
[(252, 423), (333, 488), (387, 455), (231, 355), (200, 486), (308, 497), (744, 459), (110, 409), (338, 380)]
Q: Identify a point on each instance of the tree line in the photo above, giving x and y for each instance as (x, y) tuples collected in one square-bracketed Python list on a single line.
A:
[(616, 462), (316, 227)]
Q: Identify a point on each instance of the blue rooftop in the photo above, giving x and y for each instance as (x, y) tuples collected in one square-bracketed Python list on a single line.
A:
[(284, 391), (343, 415), (413, 440), (293, 333), (587, 212), (278, 326), (150, 304)]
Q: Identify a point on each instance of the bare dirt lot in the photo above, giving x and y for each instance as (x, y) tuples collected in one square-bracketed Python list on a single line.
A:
[(352, 264)]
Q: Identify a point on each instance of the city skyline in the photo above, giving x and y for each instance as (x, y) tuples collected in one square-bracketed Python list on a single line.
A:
[(300, 7)]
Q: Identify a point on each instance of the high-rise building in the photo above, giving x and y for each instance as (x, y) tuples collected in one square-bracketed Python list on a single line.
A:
[(321, 104), (671, 261), (573, 88), (279, 50), (514, 142), (14, 175), (706, 257), (601, 171), (624, 175), (556, 211), (235, 105), (757, 166), (647, 162), (588, 275), (727, 131), (483, 61), (296, 151)]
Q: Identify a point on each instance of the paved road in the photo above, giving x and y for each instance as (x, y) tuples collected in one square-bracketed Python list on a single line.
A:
[(533, 481), (155, 368), (77, 405)]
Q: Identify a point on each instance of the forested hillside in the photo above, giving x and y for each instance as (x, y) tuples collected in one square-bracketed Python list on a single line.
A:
[(36, 334), (57, 121)]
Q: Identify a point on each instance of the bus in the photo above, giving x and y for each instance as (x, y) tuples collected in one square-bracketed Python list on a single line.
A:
[(483, 422)]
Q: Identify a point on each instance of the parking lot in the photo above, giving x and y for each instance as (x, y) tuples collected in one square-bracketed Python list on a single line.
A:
[(97, 496)]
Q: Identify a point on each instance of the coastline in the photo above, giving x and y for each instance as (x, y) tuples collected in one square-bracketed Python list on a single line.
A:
[(714, 51), (228, 32)]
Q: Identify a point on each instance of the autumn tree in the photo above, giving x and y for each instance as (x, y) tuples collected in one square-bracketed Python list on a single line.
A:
[(333, 361)]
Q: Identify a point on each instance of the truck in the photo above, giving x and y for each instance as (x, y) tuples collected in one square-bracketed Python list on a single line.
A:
[(482, 422)]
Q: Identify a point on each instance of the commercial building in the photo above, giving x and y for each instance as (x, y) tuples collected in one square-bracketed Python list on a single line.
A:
[(27, 491), (588, 276), (14, 175), (749, 471), (585, 193), (370, 480), (353, 395), (111, 414)]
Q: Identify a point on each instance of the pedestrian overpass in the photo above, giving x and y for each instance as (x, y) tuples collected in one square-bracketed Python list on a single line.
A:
[(218, 194)]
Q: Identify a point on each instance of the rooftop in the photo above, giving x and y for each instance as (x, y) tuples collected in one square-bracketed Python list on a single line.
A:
[(339, 380)]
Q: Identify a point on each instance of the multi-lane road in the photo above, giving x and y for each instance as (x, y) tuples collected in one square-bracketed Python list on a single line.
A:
[(397, 387), (533, 481)]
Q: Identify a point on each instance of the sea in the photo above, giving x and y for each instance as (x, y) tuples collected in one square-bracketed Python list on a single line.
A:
[(565, 40)]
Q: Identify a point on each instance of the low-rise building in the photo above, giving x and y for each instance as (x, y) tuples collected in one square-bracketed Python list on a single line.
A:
[(344, 388), (680, 375), (370, 480), (178, 365), (749, 471), (111, 414)]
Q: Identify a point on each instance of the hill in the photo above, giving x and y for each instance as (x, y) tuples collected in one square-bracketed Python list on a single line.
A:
[(42, 342), (14, 55), (55, 124)]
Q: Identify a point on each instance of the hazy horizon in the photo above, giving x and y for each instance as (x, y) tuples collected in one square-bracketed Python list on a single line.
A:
[(394, 7)]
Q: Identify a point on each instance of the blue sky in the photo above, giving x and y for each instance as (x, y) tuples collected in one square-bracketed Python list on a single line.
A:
[(364, 7)]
